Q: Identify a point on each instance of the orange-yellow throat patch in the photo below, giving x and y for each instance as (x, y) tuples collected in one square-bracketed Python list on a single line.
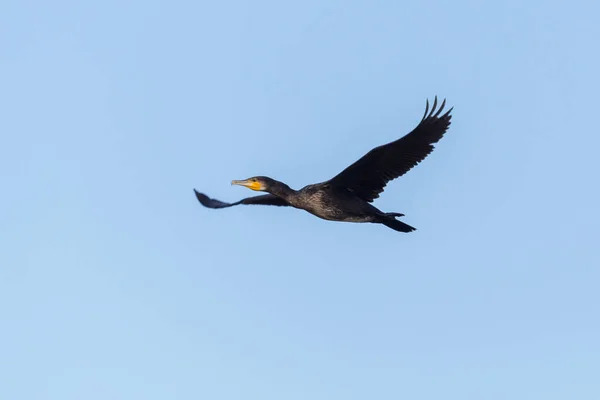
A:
[(254, 185)]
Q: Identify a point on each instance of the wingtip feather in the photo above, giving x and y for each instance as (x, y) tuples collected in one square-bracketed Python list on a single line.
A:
[(433, 107), (426, 109)]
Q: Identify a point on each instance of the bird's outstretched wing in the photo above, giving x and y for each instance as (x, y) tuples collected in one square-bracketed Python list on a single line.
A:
[(265, 200), (368, 176)]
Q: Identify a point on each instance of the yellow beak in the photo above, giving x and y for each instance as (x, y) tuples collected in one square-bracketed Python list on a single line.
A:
[(254, 185)]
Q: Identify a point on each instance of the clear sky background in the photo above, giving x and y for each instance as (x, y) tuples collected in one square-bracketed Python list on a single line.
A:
[(116, 284)]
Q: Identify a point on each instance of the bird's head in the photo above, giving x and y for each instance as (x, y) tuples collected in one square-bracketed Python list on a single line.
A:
[(259, 183)]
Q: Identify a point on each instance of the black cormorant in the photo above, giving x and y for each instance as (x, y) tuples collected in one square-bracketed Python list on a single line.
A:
[(347, 196)]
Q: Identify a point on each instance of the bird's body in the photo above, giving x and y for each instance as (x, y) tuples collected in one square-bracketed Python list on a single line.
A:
[(347, 197), (331, 203)]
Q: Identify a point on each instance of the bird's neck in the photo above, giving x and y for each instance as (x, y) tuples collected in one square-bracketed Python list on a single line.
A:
[(282, 190)]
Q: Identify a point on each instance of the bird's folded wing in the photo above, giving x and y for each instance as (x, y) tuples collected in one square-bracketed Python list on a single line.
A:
[(265, 200), (368, 176)]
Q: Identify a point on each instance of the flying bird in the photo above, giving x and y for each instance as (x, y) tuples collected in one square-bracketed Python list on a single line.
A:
[(347, 197)]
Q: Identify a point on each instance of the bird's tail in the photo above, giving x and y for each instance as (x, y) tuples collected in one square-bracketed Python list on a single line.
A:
[(394, 214), (396, 225)]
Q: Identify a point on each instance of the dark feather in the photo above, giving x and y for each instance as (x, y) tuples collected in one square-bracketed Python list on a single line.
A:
[(265, 200), (368, 176)]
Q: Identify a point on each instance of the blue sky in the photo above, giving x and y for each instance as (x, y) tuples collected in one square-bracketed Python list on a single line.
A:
[(116, 284)]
